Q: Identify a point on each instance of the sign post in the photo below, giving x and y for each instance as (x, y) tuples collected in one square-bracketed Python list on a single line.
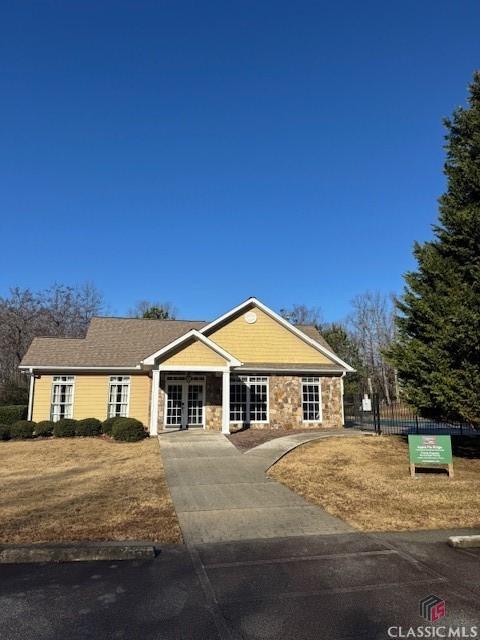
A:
[(425, 451)]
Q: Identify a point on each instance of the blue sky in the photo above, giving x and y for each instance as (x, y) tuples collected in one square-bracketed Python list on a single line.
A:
[(204, 152)]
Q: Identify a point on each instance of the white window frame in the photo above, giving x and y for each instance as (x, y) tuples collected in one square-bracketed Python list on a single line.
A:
[(114, 381), (185, 381), (310, 381), (59, 381), (240, 382), (248, 382)]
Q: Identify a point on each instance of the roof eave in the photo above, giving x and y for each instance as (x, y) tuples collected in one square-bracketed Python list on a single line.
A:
[(60, 367)]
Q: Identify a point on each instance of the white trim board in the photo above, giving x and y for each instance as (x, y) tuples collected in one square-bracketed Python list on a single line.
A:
[(31, 391), (300, 372), (283, 322), (196, 335), (186, 368), (113, 368)]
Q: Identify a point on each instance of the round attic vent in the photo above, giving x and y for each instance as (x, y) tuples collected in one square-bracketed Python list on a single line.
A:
[(250, 317)]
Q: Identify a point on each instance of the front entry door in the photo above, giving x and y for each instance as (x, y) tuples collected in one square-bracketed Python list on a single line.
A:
[(184, 403)]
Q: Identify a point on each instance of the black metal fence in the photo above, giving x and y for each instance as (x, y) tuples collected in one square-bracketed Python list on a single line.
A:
[(398, 418)]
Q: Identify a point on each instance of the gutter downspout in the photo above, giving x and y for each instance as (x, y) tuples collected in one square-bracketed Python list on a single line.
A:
[(30, 394), (343, 408)]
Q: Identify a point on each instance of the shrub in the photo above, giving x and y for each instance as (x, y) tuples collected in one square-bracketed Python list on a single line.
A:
[(64, 428), (88, 427), (12, 413), (5, 431), (128, 430), (22, 430), (44, 428), (107, 425)]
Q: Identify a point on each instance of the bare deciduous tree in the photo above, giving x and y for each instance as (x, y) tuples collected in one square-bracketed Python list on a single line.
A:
[(301, 314), (59, 310), (372, 326)]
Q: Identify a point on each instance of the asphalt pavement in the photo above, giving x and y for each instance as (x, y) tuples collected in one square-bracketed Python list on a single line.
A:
[(338, 586)]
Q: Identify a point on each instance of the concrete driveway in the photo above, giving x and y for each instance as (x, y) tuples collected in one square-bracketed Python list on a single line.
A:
[(222, 495), (340, 587)]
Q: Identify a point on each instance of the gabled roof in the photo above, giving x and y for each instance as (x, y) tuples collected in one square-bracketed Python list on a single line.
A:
[(195, 335), (208, 328), (124, 343), (312, 332), (109, 343)]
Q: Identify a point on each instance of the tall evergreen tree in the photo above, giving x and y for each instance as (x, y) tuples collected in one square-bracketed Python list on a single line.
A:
[(437, 351), (347, 349)]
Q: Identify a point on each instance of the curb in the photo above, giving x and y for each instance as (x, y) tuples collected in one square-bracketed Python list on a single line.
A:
[(464, 542), (84, 552)]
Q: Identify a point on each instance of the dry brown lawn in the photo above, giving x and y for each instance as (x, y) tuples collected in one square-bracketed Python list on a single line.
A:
[(366, 482), (84, 489)]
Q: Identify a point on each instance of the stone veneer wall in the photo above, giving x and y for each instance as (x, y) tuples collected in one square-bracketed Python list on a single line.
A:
[(213, 409), (161, 403), (285, 402)]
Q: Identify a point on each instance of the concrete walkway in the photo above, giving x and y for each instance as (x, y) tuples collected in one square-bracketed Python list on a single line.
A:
[(223, 495), (271, 451)]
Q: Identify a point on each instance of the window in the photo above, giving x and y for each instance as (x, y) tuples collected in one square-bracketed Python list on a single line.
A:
[(118, 394), (258, 399), (238, 399), (62, 398), (249, 399), (311, 400)]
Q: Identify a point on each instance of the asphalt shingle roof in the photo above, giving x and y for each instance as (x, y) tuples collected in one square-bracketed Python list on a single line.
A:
[(121, 342), (116, 342)]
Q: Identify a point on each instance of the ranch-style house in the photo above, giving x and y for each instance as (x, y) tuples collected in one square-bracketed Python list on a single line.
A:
[(249, 367)]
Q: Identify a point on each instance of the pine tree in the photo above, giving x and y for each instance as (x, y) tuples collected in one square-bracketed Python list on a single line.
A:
[(437, 351), (347, 349)]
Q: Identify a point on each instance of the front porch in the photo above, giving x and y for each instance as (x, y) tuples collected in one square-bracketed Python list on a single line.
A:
[(190, 399), (225, 400), (193, 400)]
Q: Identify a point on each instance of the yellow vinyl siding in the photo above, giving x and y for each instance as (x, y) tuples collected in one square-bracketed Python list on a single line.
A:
[(196, 354), (42, 398), (266, 340), (140, 393), (90, 398)]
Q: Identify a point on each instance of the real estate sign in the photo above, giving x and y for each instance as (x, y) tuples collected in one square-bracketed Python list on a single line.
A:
[(430, 450)]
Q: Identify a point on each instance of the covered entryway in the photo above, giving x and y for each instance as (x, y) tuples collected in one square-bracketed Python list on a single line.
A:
[(184, 402), (190, 385)]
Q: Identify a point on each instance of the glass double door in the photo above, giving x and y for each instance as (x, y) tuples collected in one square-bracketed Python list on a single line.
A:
[(185, 406)]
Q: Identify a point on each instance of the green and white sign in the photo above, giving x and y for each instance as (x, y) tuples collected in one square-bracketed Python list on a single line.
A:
[(430, 449)]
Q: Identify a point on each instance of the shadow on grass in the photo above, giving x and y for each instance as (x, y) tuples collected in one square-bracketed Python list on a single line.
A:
[(466, 447)]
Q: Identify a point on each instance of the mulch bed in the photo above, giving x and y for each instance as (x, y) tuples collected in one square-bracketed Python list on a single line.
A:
[(246, 439)]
